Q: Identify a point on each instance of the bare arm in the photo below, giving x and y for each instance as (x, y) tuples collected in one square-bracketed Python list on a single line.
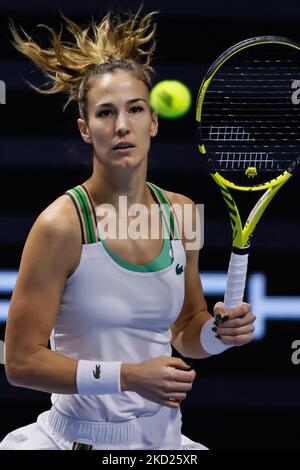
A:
[(187, 327), (236, 326), (194, 313), (49, 255)]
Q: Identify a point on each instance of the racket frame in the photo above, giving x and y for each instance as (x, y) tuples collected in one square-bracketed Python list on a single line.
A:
[(242, 236)]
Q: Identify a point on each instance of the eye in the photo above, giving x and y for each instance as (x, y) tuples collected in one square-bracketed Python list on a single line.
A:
[(136, 109), (104, 113)]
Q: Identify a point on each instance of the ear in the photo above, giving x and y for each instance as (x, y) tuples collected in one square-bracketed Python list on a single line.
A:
[(154, 124), (84, 131)]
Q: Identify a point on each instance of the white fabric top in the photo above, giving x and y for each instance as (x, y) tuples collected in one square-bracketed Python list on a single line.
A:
[(111, 313)]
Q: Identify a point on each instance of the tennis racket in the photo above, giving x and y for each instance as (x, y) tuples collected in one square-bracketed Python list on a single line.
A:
[(248, 120)]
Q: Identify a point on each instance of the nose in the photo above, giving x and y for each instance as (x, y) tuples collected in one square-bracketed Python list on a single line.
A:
[(122, 127)]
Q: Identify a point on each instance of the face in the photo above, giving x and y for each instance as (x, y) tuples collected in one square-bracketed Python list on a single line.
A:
[(120, 122)]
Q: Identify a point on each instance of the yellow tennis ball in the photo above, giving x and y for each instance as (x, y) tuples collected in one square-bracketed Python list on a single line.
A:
[(170, 99)]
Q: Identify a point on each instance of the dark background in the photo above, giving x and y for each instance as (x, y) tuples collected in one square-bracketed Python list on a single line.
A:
[(247, 398)]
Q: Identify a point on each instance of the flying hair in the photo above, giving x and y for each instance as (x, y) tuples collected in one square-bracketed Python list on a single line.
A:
[(101, 47)]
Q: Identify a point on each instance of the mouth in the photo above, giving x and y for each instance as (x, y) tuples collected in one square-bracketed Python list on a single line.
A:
[(123, 147)]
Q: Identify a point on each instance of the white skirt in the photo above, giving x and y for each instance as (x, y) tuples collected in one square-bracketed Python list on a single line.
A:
[(43, 435)]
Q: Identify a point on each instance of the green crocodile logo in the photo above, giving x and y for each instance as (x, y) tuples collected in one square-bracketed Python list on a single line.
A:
[(97, 373), (179, 270)]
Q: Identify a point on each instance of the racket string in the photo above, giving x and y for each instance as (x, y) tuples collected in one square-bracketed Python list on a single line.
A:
[(250, 124)]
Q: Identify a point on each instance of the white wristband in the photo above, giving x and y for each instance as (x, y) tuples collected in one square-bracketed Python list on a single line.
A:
[(98, 378), (208, 339)]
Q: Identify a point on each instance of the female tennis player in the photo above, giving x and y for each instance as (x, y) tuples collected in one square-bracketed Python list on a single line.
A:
[(112, 305)]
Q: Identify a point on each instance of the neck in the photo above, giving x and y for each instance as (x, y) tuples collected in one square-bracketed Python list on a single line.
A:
[(107, 185)]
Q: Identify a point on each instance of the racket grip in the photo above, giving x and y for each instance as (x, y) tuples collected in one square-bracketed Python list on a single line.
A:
[(236, 280)]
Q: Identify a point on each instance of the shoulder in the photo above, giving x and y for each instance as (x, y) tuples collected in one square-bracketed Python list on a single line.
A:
[(177, 198), (56, 234), (59, 219), (188, 219), (180, 202)]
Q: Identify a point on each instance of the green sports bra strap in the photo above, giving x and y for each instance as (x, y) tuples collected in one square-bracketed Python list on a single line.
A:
[(85, 213), (167, 211), (93, 213), (88, 221), (80, 217)]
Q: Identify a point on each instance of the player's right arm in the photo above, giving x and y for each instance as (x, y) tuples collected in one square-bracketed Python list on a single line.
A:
[(50, 254)]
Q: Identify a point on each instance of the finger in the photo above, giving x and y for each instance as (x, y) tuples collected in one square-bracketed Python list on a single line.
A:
[(178, 363), (179, 387), (171, 403), (237, 340), (249, 318), (190, 363), (219, 310), (237, 312), (243, 330), (220, 315), (176, 396), (185, 377)]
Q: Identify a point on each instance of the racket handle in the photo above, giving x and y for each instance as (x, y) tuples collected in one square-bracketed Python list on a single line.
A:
[(236, 280)]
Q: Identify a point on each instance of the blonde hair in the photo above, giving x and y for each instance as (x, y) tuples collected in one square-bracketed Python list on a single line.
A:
[(74, 67)]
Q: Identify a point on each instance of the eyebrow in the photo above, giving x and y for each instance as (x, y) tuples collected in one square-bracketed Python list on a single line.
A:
[(133, 100)]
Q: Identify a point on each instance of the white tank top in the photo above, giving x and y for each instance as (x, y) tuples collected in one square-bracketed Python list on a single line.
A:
[(110, 312)]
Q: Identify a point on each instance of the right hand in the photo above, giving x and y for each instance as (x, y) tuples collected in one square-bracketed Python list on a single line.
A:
[(163, 380)]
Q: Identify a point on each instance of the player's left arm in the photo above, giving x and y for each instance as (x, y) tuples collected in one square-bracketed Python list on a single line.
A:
[(186, 329), (237, 325)]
